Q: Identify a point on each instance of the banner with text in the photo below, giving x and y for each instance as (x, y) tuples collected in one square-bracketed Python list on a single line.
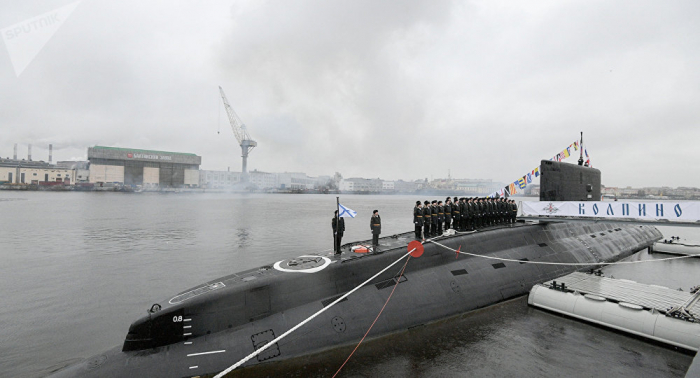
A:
[(672, 211)]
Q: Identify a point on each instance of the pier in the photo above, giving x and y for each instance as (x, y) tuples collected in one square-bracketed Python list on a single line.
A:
[(654, 312)]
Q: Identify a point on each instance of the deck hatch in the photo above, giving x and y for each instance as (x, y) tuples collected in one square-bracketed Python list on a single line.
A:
[(523, 259), (542, 244), (459, 272), (499, 266), (262, 338), (195, 292)]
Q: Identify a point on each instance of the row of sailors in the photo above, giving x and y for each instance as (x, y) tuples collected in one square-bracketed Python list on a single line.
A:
[(461, 214)]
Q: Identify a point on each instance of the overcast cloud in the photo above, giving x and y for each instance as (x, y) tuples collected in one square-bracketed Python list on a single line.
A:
[(397, 90)]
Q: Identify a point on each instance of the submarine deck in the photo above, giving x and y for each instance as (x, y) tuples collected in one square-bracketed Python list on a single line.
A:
[(655, 297), (396, 241)]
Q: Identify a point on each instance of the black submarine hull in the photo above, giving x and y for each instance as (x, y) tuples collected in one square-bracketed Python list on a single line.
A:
[(208, 328)]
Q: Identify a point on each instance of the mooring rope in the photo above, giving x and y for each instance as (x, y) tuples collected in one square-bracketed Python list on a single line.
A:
[(375, 319), (319, 312), (432, 240), (556, 263)]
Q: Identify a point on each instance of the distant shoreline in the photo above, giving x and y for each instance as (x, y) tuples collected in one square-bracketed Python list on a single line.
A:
[(125, 189)]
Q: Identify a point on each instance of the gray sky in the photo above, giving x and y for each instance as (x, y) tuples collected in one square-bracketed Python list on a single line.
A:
[(397, 90)]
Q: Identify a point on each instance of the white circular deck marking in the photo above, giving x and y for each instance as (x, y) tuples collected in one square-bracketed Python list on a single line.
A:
[(326, 262)]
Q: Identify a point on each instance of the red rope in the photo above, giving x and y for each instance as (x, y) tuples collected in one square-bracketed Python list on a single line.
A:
[(375, 319)]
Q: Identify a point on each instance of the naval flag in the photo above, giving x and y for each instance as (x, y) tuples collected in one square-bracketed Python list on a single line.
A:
[(346, 212), (521, 183)]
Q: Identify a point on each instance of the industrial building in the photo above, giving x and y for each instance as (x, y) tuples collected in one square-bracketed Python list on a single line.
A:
[(219, 179), (261, 180), (28, 171), (81, 168), (14, 171), (361, 185), (147, 168)]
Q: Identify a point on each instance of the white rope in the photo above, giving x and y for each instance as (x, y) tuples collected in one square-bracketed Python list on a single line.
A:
[(264, 347), (555, 263)]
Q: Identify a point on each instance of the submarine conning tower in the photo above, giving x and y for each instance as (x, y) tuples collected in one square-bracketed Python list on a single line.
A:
[(568, 182)]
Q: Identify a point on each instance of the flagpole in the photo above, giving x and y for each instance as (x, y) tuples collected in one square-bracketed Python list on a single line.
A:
[(337, 222), (580, 159)]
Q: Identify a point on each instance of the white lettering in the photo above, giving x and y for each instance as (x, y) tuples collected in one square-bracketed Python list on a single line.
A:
[(152, 157)]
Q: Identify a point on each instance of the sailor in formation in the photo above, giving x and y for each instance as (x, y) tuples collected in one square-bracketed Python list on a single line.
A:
[(513, 211), (338, 225), (375, 224), (426, 219), (455, 213), (461, 214), (441, 217), (448, 213), (433, 218), (418, 220)]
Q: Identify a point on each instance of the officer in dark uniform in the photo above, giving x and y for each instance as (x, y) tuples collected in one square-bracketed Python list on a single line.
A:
[(471, 214), (504, 211), (418, 219), (426, 219), (514, 211), (465, 215), (481, 212), (496, 211), (499, 209), (375, 224), (448, 213), (487, 211), (465, 224), (338, 225), (441, 217), (455, 214), (433, 218)]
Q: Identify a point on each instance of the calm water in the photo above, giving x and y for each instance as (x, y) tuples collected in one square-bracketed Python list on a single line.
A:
[(78, 268)]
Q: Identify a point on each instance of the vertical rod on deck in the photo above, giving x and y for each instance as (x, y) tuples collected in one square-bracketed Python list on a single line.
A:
[(337, 223), (580, 147)]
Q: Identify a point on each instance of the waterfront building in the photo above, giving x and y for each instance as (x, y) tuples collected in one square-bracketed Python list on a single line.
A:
[(13, 171), (81, 168), (219, 179), (263, 180), (134, 167), (361, 185), (294, 181)]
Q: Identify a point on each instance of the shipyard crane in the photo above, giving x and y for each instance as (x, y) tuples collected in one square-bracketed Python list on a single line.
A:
[(239, 130)]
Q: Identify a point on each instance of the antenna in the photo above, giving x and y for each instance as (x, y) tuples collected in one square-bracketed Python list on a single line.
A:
[(580, 147)]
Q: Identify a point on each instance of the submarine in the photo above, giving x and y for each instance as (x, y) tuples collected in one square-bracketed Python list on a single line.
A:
[(204, 330)]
